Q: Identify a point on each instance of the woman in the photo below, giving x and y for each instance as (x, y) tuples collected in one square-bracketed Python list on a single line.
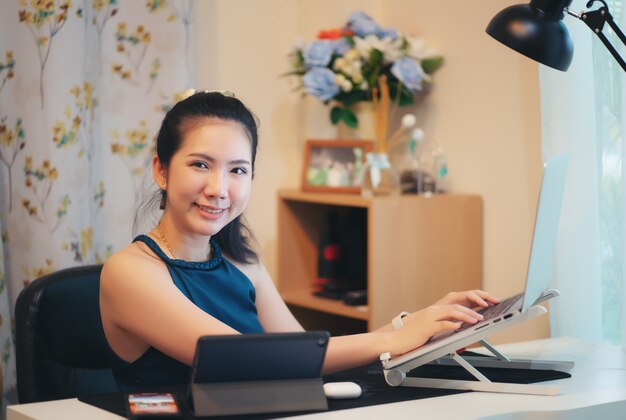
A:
[(195, 273)]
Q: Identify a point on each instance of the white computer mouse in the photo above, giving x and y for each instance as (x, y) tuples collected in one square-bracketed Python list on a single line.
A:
[(341, 390)]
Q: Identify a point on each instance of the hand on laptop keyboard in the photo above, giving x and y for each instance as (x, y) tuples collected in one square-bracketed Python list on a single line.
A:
[(490, 312), (495, 310), (469, 299), (440, 319)]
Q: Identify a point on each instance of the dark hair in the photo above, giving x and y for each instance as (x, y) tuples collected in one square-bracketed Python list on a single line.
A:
[(234, 239)]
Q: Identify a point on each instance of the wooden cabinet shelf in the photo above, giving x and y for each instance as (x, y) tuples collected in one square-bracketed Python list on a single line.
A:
[(418, 249), (306, 299)]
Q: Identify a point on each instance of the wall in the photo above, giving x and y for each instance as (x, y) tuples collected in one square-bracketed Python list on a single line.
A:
[(484, 110)]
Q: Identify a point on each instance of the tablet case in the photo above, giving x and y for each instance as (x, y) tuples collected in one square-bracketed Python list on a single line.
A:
[(258, 373)]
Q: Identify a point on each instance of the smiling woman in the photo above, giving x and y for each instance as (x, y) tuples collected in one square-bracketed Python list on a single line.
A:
[(196, 274), (208, 184)]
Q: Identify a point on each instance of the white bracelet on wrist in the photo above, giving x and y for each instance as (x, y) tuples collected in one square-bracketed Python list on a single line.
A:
[(397, 323)]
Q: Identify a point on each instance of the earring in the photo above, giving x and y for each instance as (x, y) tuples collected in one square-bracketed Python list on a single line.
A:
[(162, 203)]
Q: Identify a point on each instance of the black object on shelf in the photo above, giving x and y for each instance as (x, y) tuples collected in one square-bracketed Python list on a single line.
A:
[(329, 256), (355, 297), (328, 294), (354, 250), (342, 254)]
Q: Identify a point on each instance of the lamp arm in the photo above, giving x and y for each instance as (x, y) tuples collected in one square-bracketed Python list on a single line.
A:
[(595, 20)]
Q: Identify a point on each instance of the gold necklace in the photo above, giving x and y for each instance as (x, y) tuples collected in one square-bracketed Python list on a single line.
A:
[(167, 244)]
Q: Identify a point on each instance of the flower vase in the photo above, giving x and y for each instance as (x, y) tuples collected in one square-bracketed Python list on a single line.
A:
[(366, 128), (378, 177)]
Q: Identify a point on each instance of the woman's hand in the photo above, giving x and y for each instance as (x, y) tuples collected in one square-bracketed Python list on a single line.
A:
[(446, 315), (470, 299)]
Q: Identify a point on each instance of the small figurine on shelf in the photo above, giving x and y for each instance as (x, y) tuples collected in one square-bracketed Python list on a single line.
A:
[(422, 165), (417, 178), (410, 158), (440, 166)]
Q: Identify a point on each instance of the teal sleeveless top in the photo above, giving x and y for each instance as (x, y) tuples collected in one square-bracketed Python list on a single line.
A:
[(217, 287)]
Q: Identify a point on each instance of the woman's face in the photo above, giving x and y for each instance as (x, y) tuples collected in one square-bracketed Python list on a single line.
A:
[(209, 178)]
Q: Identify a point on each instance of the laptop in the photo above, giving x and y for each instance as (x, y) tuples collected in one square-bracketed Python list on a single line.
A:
[(521, 306)]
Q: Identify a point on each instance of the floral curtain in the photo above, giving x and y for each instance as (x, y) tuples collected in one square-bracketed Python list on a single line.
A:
[(583, 115), (83, 88)]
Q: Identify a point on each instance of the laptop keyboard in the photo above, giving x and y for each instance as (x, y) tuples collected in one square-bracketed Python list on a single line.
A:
[(490, 312), (494, 311)]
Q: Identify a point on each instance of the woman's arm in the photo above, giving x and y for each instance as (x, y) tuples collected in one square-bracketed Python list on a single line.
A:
[(350, 351), (274, 315), (471, 299), (141, 307)]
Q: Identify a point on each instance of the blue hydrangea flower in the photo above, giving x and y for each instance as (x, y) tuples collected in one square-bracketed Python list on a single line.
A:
[(341, 46), (320, 82), (409, 72), (362, 24), (318, 53), (360, 15), (388, 33)]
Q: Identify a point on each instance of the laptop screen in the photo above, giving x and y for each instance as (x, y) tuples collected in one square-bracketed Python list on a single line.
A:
[(546, 228)]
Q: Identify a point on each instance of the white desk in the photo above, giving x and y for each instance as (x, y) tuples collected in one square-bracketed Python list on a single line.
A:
[(597, 390)]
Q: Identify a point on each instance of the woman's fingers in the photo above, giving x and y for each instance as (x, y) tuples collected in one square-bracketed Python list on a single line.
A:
[(487, 297), (453, 312), (470, 298), (421, 325), (481, 298), (462, 313), (447, 314)]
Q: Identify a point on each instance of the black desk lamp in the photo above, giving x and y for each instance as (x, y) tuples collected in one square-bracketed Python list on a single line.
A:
[(537, 31)]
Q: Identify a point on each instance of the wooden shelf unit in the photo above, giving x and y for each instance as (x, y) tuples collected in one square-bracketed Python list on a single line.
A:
[(418, 249)]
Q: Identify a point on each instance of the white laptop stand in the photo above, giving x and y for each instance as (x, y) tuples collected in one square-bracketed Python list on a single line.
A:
[(395, 375)]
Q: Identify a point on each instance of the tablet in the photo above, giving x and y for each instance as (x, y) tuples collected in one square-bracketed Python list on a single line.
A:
[(254, 357)]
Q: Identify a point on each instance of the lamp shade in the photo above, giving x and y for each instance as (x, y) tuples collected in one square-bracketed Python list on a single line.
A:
[(535, 30)]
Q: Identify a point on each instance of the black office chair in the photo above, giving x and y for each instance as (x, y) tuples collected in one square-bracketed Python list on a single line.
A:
[(60, 345)]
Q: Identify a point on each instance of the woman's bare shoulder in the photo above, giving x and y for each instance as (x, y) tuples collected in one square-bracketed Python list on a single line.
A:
[(135, 260)]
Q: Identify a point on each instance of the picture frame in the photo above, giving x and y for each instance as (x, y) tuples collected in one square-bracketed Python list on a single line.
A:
[(334, 165)]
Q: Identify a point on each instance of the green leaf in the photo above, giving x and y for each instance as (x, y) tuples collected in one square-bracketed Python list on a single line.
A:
[(432, 64), (372, 68), (349, 118), (352, 97), (335, 114)]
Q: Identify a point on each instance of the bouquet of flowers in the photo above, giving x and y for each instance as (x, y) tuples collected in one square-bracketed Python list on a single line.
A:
[(344, 66)]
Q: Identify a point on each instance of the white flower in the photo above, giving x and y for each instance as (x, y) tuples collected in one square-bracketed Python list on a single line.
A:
[(391, 48), (417, 134), (346, 68), (416, 49), (351, 69), (352, 54), (338, 63), (355, 67), (343, 83), (408, 121)]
